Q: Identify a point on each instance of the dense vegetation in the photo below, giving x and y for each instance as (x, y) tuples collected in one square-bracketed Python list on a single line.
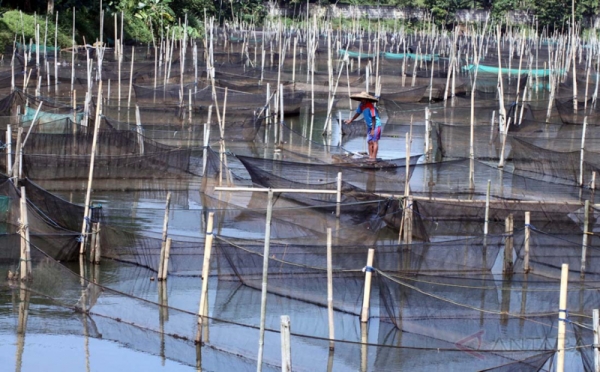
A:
[(144, 19)]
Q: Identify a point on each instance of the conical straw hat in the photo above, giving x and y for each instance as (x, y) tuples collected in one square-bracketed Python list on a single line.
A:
[(364, 95)]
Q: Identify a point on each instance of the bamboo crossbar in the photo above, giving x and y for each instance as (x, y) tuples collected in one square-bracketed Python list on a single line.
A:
[(253, 189), (482, 201)]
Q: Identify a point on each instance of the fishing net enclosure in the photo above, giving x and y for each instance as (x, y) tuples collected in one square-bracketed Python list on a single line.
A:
[(119, 154), (51, 238), (469, 222)]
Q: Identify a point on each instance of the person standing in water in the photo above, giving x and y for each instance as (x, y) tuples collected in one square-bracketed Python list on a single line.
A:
[(371, 115)]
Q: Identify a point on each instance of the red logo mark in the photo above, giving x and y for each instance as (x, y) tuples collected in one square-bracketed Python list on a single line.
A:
[(471, 344)]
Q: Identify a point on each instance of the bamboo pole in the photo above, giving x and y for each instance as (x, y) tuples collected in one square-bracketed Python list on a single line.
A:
[(582, 156), (504, 136), (22, 145), (453, 53), (23, 309), (37, 48), (281, 113), (364, 339), (97, 250), (279, 65), (73, 54), (25, 264), (330, 312), (206, 141), (294, 60), (203, 306), (8, 149), (562, 318), (161, 273), (364, 316), (120, 60), (86, 212), (526, 267), (586, 233), (56, 54), (268, 103), (587, 79), (116, 36), (265, 274), (408, 220), (139, 129), (340, 128), (195, 56), (93, 242), (487, 208), (595, 95), (18, 160), (222, 156), (12, 68), (508, 245), (130, 77), (74, 93), (573, 55), (596, 330), (256, 189), (501, 109), (165, 263), (286, 347), (427, 134), (401, 233)]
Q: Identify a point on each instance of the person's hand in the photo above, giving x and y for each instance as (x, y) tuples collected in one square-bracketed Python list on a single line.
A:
[(346, 122)]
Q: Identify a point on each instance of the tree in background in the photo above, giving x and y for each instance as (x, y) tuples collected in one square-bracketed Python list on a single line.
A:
[(444, 11)]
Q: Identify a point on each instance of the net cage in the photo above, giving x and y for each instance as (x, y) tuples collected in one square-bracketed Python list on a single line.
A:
[(169, 126), (207, 95), (551, 158), (440, 301), (119, 154), (55, 240), (413, 317)]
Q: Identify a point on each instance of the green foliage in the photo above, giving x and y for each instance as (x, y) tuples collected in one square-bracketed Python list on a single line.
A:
[(156, 12), (11, 25), (136, 29), (143, 18), (87, 26), (444, 11), (241, 10), (194, 8), (389, 24)]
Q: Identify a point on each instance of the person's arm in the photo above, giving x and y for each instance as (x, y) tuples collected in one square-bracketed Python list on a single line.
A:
[(353, 118)]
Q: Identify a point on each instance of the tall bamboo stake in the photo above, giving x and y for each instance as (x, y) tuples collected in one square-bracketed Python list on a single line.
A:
[(161, 266), (203, 306), (86, 211), (596, 330), (25, 264), (501, 109), (562, 318), (364, 315), (330, 312), (8, 149), (130, 76), (286, 347), (586, 233), (526, 267), (582, 155), (265, 274), (73, 54)]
